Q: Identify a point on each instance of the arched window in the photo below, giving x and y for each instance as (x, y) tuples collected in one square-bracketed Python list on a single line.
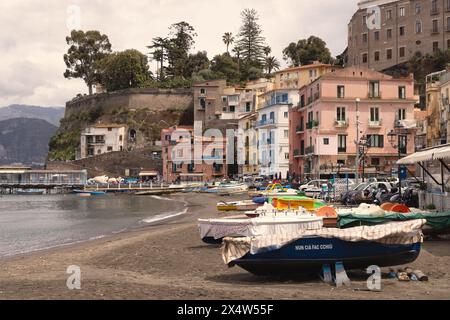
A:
[(418, 26), (132, 135)]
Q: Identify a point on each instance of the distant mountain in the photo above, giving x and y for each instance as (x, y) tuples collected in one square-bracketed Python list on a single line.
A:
[(49, 114), (24, 140)]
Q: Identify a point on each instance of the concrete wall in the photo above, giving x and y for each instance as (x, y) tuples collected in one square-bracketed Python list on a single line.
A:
[(155, 99)]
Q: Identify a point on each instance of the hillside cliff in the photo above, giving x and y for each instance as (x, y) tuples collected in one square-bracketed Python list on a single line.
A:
[(145, 110)]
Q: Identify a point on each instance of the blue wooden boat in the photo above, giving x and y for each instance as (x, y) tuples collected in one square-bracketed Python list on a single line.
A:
[(360, 255), (92, 193)]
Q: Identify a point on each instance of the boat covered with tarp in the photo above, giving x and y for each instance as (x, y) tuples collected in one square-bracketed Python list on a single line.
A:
[(303, 251)]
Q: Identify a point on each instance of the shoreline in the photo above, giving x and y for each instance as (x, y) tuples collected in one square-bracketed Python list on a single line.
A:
[(168, 261)]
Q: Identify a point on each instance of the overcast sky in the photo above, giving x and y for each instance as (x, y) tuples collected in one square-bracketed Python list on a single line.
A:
[(32, 38)]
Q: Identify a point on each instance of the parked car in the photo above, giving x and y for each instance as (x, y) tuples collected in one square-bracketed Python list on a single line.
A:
[(314, 187)]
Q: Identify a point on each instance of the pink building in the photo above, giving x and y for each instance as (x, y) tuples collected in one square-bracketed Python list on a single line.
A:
[(187, 158), (323, 125)]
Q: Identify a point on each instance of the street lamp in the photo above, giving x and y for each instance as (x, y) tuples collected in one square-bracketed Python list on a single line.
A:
[(363, 146), (358, 100), (399, 142)]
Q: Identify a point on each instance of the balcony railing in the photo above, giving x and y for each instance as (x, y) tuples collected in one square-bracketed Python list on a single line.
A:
[(375, 124), (312, 124), (341, 123), (296, 153), (434, 11), (342, 149), (309, 150), (374, 95), (300, 129), (266, 122)]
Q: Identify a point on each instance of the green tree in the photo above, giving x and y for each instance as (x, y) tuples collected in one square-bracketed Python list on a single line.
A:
[(224, 66), (86, 50), (196, 62), (228, 39), (182, 40), (271, 64), (123, 70), (160, 48), (306, 51), (250, 42)]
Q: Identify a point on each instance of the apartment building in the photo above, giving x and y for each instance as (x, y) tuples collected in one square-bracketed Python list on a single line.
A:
[(438, 108), (323, 125), (385, 33), (273, 132), (190, 158), (100, 139)]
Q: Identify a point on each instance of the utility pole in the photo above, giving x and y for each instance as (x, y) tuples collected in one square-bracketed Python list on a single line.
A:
[(358, 100)]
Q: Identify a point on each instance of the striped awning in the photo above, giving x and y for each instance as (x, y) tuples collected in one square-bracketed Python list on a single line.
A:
[(426, 155)]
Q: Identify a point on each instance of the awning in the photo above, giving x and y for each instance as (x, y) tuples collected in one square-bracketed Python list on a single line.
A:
[(443, 154), (427, 155), (148, 174)]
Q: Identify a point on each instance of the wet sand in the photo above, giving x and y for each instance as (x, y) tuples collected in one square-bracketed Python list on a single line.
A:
[(168, 261)]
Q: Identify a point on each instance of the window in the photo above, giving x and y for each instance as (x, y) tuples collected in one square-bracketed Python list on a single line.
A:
[(202, 91), (286, 134), (224, 99), (264, 118), (434, 8), (435, 26), (248, 107), (402, 92), (203, 103), (286, 156), (418, 27), (402, 51), (389, 33), (389, 54), (377, 56), (401, 114), (340, 114), (286, 115), (418, 8), (326, 141), (342, 143), (232, 108), (121, 138), (447, 5), (374, 114), (364, 20), (272, 116), (375, 162), (375, 140), (110, 149), (448, 44), (341, 92), (374, 89), (376, 35), (388, 14), (435, 46), (364, 37), (402, 31), (109, 129), (402, 11), (448, 24), (364, 58)]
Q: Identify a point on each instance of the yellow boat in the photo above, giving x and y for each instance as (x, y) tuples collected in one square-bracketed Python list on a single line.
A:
[(286, 203), (274, 190)]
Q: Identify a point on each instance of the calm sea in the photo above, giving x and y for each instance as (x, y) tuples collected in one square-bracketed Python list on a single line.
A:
[(31, 223)]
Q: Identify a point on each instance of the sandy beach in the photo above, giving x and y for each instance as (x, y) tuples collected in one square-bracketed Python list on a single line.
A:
[(168, 261)]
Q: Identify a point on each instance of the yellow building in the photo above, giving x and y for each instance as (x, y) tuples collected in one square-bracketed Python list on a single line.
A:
[(297, 77)]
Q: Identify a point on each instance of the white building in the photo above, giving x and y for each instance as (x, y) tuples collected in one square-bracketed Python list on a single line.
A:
[(273, 131), (99, 139)]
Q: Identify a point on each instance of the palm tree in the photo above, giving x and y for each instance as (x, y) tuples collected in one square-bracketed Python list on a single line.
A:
[(228, 39), (267, 50), (271, 64)]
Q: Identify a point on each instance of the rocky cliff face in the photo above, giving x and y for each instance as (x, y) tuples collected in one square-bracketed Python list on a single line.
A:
[(24, 141)]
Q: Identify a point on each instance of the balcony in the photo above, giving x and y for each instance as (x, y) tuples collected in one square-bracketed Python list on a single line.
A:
[(316, 96), (297, 153), (374, 95), (310, 100), (341, 123), (309, 150), (434, 11), (264, 123), (300, 129), (342, 149), (312, 124), (375, 124)]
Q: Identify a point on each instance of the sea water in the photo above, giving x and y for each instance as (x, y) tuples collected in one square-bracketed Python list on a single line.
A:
[(32, 223)]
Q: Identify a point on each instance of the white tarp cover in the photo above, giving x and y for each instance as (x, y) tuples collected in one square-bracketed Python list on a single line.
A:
[(408, 232), (220, 228), (443, 154)]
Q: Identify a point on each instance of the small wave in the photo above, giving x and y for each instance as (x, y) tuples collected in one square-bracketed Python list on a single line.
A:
[(162, 217)]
